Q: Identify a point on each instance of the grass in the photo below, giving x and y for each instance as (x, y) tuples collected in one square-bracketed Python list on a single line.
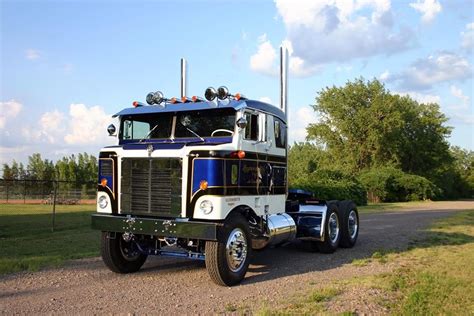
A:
[(380, 207), (434, 277), (28, 243)]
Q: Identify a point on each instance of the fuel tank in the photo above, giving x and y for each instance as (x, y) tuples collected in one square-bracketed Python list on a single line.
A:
[(280, 228)]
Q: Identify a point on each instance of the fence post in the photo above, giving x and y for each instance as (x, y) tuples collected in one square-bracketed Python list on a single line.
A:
[(6, 182), (24, 191), (55, 186)]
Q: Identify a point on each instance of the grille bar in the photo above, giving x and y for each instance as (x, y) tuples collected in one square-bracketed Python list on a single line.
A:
[(151, 186)]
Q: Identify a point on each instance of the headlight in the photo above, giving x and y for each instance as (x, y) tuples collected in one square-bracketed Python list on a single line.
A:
[(103, 202), (206, 207)]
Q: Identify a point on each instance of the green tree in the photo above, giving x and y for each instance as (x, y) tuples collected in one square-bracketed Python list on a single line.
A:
[(363, 126)]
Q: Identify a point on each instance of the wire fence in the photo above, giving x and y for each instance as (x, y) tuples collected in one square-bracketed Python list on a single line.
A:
[(36, 205), (46, 191)]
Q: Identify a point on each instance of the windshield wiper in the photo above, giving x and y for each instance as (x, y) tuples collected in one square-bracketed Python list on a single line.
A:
[(149, 133), (193, 132)]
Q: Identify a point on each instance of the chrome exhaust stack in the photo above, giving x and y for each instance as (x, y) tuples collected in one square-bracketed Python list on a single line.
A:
[(183, 77), (284, 79)]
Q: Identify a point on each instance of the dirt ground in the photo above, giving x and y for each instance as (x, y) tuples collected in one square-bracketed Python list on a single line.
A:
[(172, 286)]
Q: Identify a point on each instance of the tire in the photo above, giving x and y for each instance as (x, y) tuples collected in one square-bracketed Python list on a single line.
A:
[(350, 224), (332, 230), (221, 267), (120, 256)]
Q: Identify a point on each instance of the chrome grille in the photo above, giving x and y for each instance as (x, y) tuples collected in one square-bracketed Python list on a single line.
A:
[(151, 186)]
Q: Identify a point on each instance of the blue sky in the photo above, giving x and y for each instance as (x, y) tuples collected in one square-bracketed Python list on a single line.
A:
[(67, 66)]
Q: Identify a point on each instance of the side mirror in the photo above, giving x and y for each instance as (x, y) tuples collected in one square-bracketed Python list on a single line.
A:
[(242, 123), (111, 129)]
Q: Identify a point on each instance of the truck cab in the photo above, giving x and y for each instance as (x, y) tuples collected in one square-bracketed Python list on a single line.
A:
[(186, 160), (206, 180)]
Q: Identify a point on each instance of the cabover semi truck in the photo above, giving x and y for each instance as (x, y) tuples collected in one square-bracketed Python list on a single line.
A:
[(206, 179)]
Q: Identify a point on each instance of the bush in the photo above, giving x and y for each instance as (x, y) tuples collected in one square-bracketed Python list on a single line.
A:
[(332, 185), (389, 184)]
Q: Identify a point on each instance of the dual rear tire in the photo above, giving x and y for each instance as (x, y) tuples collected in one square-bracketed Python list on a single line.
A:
[(341, 227)]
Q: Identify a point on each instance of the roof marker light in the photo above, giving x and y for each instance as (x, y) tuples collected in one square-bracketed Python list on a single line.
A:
[(137, 104), (174, 100), (239, 96), (195, 98)]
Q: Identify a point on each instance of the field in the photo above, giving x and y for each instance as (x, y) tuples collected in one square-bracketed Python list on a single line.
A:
[(28, 243)]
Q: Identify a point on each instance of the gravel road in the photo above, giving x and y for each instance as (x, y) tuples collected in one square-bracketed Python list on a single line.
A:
[(172, 286)]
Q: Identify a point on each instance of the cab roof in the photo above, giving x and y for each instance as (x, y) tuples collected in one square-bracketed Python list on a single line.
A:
[(204, 105)]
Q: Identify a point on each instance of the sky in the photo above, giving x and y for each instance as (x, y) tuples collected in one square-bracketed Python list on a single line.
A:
[(68, 66)]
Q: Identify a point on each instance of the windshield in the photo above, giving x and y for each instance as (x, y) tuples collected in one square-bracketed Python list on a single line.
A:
[(206, 123), (191, 124), (139, 126)]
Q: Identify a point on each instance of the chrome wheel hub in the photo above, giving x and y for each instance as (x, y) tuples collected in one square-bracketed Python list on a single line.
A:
[(353, 225), (333, 227), (236, 250)]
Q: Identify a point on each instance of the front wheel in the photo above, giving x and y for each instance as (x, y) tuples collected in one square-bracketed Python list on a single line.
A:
[(227, 261), (119, 255)]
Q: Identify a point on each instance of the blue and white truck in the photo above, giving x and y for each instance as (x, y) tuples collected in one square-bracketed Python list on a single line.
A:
[(206, 179)]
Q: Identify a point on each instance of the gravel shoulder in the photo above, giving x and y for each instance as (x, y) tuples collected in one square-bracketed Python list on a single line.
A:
[(180, 286)]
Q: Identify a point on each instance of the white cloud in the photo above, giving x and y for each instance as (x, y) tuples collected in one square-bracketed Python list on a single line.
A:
[(32, 54), (9, 110), (458, 93), (340, 30), (298, 122), (467, 37), (428, 9), (87, 125), (265, 60), (421, 97), (425, 72), (266, 100), (385, 75)]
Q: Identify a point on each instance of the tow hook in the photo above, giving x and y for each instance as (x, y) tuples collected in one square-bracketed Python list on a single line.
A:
[(127, 236)]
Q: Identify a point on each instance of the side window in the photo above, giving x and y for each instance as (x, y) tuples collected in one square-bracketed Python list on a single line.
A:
[(251, 131), (280, 133)]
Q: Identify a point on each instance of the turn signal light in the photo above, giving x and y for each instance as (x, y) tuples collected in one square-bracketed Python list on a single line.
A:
[(103, 182), (238, 154), (203, 185)]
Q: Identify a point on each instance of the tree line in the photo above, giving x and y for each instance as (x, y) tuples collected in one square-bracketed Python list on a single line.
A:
[(79, 168), (370, 143)]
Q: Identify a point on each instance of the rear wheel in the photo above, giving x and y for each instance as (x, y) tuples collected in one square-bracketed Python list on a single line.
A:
[(119, 255), (332, 230), (227, 261), (350, 224)]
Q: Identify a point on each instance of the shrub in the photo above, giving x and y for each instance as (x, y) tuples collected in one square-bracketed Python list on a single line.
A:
[(389, 184), (332, 185)]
